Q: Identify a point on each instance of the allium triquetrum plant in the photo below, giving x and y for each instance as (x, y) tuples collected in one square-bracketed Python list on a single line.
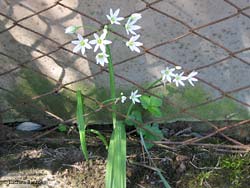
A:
[(101, 43)]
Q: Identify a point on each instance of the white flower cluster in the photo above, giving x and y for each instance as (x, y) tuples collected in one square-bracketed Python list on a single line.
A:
[(169, 75), (134, 97), (130, 28), (100, 42), (82, 44)]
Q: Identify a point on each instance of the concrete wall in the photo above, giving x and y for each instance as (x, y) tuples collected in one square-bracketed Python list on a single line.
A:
[(41, 75)]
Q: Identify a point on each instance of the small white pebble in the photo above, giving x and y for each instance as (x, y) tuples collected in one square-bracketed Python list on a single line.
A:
[(28, 126)]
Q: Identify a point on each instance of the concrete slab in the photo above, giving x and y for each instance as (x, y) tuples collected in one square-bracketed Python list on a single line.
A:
[(44, 73)]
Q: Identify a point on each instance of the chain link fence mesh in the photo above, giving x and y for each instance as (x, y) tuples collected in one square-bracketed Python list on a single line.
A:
[(61, 48)]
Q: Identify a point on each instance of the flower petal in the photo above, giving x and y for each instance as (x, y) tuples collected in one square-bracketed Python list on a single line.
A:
[(79, 37), (88, 46), (96, 48), (77, 48), (75, 42), (116, 12), (83, 50), (92, 42)]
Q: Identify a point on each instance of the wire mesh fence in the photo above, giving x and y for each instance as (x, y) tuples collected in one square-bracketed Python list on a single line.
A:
[(155, 8)]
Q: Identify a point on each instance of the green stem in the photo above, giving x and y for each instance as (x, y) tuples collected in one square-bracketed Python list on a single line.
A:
[(109, 100), (164, 181), (112, 84), (153, 83), (130, 109)]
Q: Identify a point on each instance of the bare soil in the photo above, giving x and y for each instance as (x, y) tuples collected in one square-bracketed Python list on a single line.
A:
[(55, 160)]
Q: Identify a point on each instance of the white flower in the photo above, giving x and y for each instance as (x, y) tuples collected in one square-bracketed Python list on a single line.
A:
[(101, 58), (167, 75), (113, 17), (133, 45), (123, 98), (71, 29), (81, 44), (133, 18), (100, 42), (134, 96), (178, 67), (179, 78), (191, 78), (130, 28)]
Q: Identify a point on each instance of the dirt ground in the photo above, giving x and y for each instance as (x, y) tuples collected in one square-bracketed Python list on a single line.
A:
[(55, 160)]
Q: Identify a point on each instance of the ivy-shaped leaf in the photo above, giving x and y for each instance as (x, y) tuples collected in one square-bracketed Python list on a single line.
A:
[(156, 136), (152, 104), (136, 116), (145, 101), (154, 101), (155, 111)]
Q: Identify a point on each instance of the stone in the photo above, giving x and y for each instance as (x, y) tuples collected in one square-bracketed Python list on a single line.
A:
[(28, 126)]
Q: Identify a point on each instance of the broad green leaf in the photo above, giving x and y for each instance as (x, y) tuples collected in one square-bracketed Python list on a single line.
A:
[(154, 101), (81, 123), (145, 101), (116, 165), (155, 111), (156, 136), (136, 116), (152, 104)]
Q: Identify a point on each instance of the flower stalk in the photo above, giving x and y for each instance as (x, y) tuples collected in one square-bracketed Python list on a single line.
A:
[(112, 84)]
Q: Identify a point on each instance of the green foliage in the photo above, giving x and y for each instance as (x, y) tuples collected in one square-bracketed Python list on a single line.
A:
[(62, 127), (203, 176), (152, 133), (81, 123), (100, 136), (236, 167), (116, 165), (152, 104), (133, 117)]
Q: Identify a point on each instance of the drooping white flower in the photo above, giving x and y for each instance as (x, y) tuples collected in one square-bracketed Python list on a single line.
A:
[(133, 45), (81, 44), (72, 29), (134, 18), (113, 17), (135, 97), (123, 98), (102, 58), (179, 78), (191, 77), (130, 28), (100, 41), (167, 75)]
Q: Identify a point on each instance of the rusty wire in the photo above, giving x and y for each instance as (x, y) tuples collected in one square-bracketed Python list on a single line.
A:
[(194, 31)]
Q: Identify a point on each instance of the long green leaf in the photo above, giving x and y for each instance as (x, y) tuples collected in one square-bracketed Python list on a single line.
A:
[(81, 123), (100, 136), (111, 153), (116, 165)]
